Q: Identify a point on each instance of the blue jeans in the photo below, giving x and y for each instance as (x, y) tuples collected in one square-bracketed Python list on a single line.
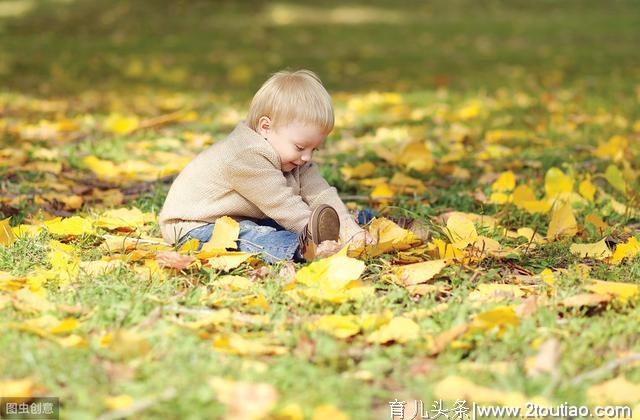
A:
[(266, 237)]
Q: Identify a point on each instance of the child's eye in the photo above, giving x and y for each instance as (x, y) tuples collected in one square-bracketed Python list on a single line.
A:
[(300, 149)]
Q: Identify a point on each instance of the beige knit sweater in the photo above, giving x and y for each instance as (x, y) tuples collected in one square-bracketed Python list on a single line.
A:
[(240, 177)]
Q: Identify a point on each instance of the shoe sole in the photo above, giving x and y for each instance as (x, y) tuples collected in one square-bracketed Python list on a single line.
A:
[(325, 224)]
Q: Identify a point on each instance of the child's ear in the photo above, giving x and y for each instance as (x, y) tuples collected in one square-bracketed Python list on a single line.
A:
[(264, 124)]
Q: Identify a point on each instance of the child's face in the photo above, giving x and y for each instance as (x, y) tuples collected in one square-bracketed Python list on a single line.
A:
[(294, 142)]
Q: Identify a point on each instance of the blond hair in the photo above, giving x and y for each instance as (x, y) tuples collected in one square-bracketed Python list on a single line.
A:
[(288, 97)]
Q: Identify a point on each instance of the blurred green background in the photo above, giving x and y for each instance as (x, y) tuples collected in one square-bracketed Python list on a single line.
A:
[(62, 47)]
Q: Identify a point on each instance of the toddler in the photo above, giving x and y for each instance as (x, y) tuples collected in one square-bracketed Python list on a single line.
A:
[(262, 176)]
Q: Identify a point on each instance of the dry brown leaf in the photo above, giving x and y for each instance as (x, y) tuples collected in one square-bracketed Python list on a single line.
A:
[(172, 259)]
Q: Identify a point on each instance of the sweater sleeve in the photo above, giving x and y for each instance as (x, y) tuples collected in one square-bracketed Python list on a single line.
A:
[(315, 190), (252, 175)]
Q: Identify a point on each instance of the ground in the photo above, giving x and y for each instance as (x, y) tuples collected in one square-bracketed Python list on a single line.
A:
[(508, 130)]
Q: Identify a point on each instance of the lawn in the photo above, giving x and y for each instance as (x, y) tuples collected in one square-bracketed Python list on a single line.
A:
[(509, 130)]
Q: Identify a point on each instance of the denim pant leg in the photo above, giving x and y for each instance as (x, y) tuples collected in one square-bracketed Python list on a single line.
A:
[(273, 244), (271, 240), (202, 234)]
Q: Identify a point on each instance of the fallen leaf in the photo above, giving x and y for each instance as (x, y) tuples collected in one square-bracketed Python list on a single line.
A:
[(399, 329), (623, 291), (118, 402), (460, 231), (563, 223), (628, 250), (615, 391), (245, 400), (556, 182), (420, 272), (598, 250), (172, 259), (7, 238), (505, 182), (586, 299), (328, 412), (71, 226)]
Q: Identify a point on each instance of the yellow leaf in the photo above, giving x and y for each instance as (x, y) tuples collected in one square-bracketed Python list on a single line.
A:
[(614, 176), (119, 124), (362, 170), (130, 219), (335, 272), (447, 251), (329, 278), (118, 402), (104, 169), (598, 250), (612, 149), (563, 223), (328, 412), (71, 226), (405, 183), (7, 237), (387, 236), (340, 326), (190, 245), (470, 110), (384, 230), (585, 299), (419, 272), (382, 190), (524, 198), (416, 156), (225, 234), (236, 344), (531, 235), (18, 388), (72, 341), (629, 249), (64, 326), (505, 182), (547, 276), (499, 198), (487, 246), (615, 391), (556, 182), (623, 291), (234, 282), (498, 318), (228, 260), (291, 411), (460, 231), (27, 301), (399, 329), (495, 292), (587, 189)]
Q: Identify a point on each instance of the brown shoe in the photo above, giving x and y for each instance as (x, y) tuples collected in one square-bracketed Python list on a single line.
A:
[(323, 225)]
